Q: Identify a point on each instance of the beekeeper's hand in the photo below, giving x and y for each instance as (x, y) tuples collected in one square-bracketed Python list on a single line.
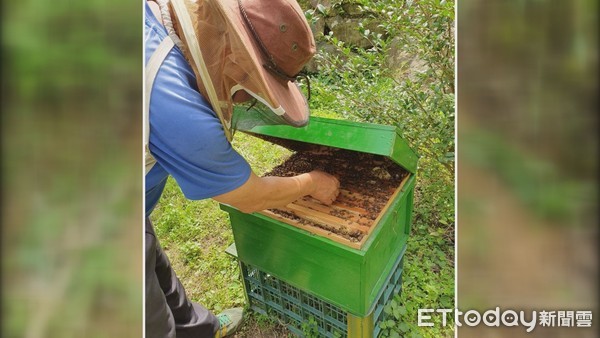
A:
[(327, 187), (260, 193)]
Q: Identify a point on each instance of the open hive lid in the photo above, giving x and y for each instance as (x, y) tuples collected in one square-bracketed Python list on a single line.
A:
[(373, 163), (362, 137)]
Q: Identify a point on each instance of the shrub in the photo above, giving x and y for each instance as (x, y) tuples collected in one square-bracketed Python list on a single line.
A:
[(358, 84)]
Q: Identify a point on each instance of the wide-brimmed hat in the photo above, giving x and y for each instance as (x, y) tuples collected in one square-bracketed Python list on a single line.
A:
[(258, 47)]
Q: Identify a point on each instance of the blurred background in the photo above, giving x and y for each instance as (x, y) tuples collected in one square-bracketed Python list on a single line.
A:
[(71, 168), (527, 159)]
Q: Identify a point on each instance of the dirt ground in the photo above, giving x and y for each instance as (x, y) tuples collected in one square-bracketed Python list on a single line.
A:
[(257, 326)]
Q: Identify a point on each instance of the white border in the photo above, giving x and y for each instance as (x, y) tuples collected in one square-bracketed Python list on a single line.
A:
[(143, 170), (455, 162)]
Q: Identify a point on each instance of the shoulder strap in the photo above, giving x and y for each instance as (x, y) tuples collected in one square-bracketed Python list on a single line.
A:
[(194, 48), (152, 68)]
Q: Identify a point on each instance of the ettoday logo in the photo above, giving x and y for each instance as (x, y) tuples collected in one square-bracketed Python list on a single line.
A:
[(496, 318)]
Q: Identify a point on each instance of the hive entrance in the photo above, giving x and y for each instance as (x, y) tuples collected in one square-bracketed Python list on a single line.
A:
[(368, 184)]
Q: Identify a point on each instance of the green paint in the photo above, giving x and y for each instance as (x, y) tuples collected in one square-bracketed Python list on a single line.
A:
[(363, 137), (386, 243)]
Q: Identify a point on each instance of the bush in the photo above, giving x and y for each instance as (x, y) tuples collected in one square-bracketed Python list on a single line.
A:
[(357, 84)]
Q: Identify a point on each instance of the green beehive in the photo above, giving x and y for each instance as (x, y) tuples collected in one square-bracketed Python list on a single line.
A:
[(352, 276)]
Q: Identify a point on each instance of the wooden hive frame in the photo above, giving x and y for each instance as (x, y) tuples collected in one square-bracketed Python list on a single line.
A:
[(344, 221), (313, 211)]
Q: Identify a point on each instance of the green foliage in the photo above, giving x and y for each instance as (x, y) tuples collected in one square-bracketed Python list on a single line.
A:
[(310, 328), (263, 321), (359, 84)]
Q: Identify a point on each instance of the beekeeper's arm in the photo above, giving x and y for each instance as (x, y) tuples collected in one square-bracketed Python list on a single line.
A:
[(259, 193)]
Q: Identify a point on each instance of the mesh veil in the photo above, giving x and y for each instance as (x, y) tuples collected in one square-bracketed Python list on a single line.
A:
[(232, 66)]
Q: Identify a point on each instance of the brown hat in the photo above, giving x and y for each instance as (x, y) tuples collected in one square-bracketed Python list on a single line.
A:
[(255, 46)]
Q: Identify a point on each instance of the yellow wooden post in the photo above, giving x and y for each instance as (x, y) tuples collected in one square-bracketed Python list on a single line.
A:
[(360, 327)]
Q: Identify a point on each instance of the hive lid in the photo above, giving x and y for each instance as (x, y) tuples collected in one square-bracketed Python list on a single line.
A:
[(363, 137)]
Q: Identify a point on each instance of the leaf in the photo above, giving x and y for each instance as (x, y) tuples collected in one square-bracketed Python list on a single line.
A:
[(395, 334), (445, 301), (321, 9), (404, 327), (388, 309), (402, 310), (415, 335)]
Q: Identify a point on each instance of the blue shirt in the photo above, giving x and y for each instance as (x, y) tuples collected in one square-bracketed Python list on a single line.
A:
[(186, 137)]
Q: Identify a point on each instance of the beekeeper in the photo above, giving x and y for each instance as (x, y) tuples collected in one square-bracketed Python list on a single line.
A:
[(201, 57)]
